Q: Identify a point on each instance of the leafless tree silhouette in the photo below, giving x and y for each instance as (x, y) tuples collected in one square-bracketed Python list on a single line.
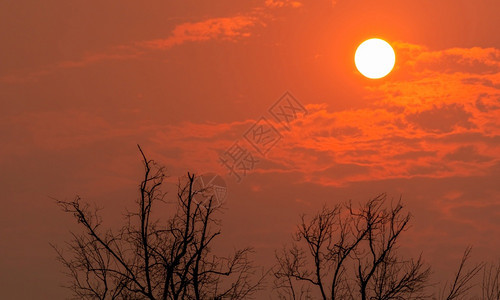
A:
[(151, 258), (491, 282), (350, 253)]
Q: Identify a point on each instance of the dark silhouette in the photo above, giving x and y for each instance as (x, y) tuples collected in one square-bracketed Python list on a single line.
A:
[(153, 259), (351, 253)]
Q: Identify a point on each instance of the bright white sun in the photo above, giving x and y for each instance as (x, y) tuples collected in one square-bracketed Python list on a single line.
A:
[(375, 58)]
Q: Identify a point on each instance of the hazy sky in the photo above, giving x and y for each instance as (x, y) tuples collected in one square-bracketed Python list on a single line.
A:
[(82, 82)]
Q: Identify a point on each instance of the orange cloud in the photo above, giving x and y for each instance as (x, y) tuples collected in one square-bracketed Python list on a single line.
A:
[(281, 3), (217, 28), (462, 60), (227, 28), (224, 28)]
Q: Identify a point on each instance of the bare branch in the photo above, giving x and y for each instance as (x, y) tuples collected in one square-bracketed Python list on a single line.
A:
[(463, 277), (491, 282)]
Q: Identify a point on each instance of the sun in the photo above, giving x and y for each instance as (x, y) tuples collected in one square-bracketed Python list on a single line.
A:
[(374, 58)]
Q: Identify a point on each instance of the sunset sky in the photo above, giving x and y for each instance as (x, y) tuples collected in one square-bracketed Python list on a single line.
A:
[(83, 82)]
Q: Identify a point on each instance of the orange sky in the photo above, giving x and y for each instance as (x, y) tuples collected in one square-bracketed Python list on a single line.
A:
[(82, 82)]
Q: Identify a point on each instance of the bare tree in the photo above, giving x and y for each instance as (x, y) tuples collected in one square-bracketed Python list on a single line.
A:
[(350, 253), (491, 282), (151, 258)]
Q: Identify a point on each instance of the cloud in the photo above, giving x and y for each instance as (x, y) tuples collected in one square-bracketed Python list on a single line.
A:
[(442, 119), (228, 28), (466, 154), (283, 3), (225, 28), (473, 60), (231, 28)]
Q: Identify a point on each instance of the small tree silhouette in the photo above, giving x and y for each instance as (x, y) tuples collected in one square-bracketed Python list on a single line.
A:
[(350, 253), (150, 258)]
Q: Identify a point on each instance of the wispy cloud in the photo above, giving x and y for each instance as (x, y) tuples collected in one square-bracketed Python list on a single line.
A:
[(229, 28), (218, 28)]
